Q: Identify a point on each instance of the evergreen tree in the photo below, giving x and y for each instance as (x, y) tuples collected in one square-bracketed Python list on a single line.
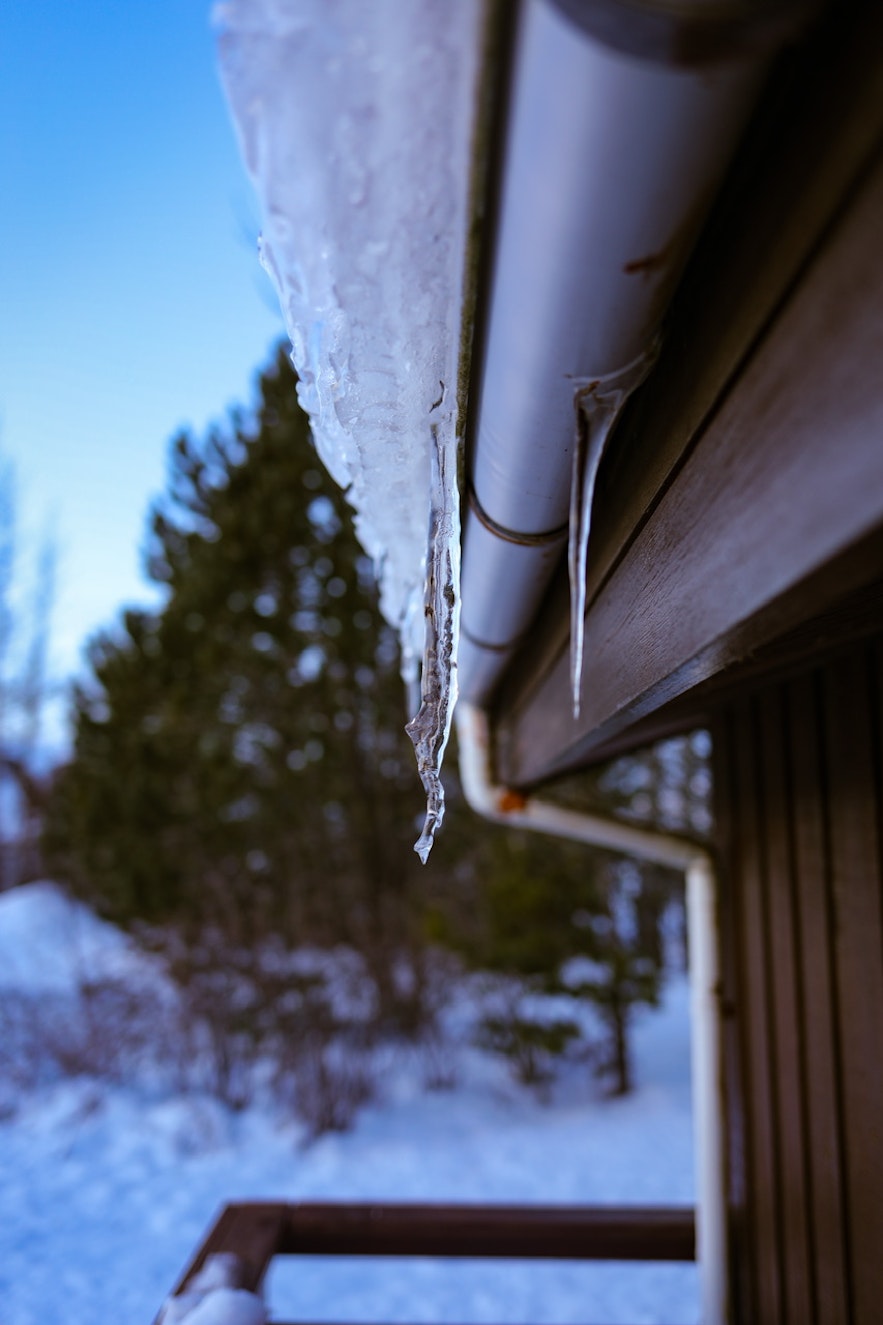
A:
[(537, 905), (565, 919), (622, 974), (239, 755)]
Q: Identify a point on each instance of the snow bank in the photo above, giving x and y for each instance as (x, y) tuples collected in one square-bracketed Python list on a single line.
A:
[(105, 1194), (107, 1189), (49, 942)]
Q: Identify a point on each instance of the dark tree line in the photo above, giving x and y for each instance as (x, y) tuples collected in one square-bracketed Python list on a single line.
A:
[(238, 756), (25, 612)]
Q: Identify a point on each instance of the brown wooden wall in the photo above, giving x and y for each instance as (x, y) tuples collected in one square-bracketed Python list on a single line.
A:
[(799, 777)]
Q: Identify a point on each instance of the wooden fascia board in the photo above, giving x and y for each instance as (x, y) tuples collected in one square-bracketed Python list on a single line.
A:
[(782, 479)]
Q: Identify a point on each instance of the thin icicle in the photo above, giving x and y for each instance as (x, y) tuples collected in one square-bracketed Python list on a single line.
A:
[(430, 728), (598, 404), (594, 420)]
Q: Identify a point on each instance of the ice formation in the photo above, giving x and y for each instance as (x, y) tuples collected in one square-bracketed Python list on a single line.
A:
[(430, 728), (598, 404), (356, 122)]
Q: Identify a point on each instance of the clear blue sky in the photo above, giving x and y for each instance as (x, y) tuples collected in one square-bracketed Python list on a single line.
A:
[(131, 299)]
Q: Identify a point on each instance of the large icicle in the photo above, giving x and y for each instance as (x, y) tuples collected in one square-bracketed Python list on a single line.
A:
[(356, 122), (598, 404), (430, 728)]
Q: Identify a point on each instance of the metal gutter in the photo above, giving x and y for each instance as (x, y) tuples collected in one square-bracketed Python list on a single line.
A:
[(611, 163), (514, 809)]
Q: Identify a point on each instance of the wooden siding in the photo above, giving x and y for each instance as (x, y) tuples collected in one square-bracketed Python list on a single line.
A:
[(800, 811)]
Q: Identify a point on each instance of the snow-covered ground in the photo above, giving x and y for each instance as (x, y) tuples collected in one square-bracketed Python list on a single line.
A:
[(105, 1190)]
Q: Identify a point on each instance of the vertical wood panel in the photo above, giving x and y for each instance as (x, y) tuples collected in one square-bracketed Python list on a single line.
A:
[(876, 665), (786, 1074), (726, 792), (801, 831), (855, 866), (822, 1066), (763, 1204)]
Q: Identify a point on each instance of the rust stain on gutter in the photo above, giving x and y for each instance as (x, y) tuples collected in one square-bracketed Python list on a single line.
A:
[(650, 265), (510, 802)]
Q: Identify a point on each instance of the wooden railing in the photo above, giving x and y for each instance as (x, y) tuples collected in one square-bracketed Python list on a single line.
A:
[(256, 1231)]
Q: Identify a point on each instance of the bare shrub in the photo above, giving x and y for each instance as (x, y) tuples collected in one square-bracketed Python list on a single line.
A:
[(299, 1024), (438, 1044), (440, 1067), (331, 1082), (529, 1028), (114, 1029), (107, 1029), (531, 1046), (24, 1060), (218, 1027), (324, 1060), (300, 1029)]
